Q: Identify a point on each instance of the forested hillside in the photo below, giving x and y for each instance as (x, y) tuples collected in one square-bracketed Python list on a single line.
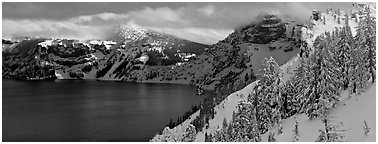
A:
[(336, 67)]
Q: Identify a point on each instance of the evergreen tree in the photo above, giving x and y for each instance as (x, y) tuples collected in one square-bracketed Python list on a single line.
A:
[(359, 74), (338, 20), (243, 128), (296, 131), (245, 123), (330, 133), (268, 95), (366, 37), (190, 134), (347, 19), (324, 88), (224, 123), (366, 128), (343, 54), (271, 137)]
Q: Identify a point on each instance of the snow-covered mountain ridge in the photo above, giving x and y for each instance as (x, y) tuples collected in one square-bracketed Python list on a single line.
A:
[(143, 55), (308, 129), (73, 59)]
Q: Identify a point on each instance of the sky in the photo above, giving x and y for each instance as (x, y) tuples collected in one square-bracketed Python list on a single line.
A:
[(200, 22)]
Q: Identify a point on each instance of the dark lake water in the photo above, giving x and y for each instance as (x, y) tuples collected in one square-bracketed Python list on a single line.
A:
[(90, 110)]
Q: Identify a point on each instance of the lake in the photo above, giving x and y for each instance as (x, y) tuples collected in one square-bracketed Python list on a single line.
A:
[(77, 110)]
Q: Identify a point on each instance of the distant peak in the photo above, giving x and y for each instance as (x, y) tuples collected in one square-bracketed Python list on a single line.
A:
[(129, 31)]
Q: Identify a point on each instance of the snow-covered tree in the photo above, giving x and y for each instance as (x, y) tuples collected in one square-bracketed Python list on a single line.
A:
[(338, 20), (330, 133), (271, 137), (347, 19), (243, 128), (291, 91), (359, 74), (323, 89), (366, 128), (366, 36), (268, 95), (279, 128), (296, 131), (342, 52), (190, 134), (245, 122)]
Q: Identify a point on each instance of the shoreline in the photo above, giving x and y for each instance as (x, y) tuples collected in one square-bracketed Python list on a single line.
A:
[(206, 87)]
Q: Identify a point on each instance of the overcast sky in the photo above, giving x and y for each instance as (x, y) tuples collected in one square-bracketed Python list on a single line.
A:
[(200, 22)]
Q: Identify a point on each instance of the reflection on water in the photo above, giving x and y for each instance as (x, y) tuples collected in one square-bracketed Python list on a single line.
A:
[(90, 110)]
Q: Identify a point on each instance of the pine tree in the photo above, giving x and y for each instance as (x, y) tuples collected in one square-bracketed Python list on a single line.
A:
[(359, 74), (243, 128), (366, 128), (271, 137), (268, 94), (224, 123), (300, 85), (296, 131), (245, 123), (330, 133), (324, 88), (290, 93), (338, 20), (279, 129), (366, 37), (190, 134), (343, 54)]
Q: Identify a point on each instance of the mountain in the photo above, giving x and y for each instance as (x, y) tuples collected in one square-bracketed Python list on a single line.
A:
[(133, 49), (231, 119), (143, 55)]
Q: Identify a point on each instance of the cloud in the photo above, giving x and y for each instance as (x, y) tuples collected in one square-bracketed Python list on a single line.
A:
[(207, 10), (55, 29), (103, 16), (200, 22), (201, 35), (160, 15), (99, 26)]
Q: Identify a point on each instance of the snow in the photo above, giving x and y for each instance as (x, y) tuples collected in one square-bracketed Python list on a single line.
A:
[(58, 75), (143, 58), (108, 44), (62, 75), (225, 110), (308, 130), (46, 43), (351, 112), (95, 42), (257, 56), (177, 131)]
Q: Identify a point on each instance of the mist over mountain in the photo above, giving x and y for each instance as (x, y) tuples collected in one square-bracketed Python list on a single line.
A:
[(276, 72), (200, 22)]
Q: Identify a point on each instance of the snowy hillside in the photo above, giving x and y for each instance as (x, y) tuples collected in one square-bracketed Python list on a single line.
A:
[(343, 116), (348, 116), (133, 51)]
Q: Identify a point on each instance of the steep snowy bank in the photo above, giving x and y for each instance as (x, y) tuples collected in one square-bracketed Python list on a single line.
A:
[(349, 115)]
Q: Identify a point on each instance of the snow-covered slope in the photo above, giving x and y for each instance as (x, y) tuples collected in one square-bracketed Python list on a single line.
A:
[(225, 109), (133, 51), (348, 116)]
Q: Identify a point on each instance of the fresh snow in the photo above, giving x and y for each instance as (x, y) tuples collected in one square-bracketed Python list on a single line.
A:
[(46, 43), (308, 130), (349, 115)]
